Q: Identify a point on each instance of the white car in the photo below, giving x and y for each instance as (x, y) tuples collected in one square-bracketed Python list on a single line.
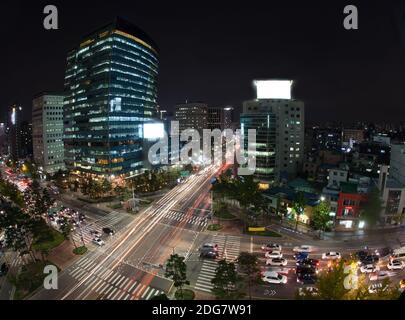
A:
[(274, 277), (395, 265), (280, 262), (303, 248), (271, 247), (280, 270), (98, 242), (331, 256), (308, 290), (273, 254), (369, 268)]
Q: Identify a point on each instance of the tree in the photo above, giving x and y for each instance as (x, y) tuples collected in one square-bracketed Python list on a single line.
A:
[(372, 208), (66, 229), (225, 281), (321, 216), (106, 186), (248, 264), (176, 269), (342, 282), (299, 207)]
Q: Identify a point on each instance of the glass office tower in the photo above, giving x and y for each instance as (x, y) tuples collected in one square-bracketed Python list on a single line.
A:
[(110, 92)]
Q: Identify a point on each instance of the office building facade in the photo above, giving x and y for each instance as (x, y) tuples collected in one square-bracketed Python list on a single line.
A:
[(47, 136), (110, 92), (192, 116)]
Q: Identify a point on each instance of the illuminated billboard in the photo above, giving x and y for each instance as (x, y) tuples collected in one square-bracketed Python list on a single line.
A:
[(273, 89), (153, 131)]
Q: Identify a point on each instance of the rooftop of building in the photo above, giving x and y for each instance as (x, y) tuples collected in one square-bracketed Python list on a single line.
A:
[(348, 187), (312, 199), (124, 25)]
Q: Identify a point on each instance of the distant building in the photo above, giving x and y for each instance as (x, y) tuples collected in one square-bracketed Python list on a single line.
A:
[(47, 122), (281, 123), (192, 115), (26, 139), (3, 139), (14, 131), (326, 139), (352, 136)]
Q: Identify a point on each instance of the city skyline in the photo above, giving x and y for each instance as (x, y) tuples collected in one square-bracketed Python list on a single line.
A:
[(330, 65)]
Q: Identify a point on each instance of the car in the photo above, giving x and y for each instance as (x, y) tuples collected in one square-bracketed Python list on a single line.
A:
[(369, 268), (360, 255), (3, 269), (384, 252), (274, 278), (305, 269), (281, 262), (209, 246), (273, 254), (283, 271), (210, 254), (314, 263), (313, 291), (381, 275), (271, 247), (303, 248), (395, 265), (306, 278), (331, 256), (300, 256), (98, 242), (108, 231), (377, 287), (370, 259)]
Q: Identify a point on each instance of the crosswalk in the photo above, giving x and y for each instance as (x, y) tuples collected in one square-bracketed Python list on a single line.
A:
[(228, 249), (174, 217), (97, 225), (111, 285)]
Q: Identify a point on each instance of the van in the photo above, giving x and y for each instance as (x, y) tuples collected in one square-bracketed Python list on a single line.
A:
[(398, 254)]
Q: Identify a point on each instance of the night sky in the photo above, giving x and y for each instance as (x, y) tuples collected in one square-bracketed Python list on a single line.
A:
[(212, 50)]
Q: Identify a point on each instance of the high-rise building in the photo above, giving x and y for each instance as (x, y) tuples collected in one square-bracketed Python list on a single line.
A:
[(14, 131), (110, 92), (220, 118), (26, 139), (47, 123), (192, 116), (3, 139), (275, 107)]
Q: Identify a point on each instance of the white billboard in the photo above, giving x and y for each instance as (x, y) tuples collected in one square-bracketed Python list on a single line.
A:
[(153, 131), (273, 89)]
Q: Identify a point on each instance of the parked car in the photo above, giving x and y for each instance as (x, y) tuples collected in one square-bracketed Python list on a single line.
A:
[(108, 231), (271, 247), (273, 254), (384, 252), (274, 278), (281, 262), (303, 248), (305, 269), (395, 265), (381, 275), (331, 255), (280, 270)]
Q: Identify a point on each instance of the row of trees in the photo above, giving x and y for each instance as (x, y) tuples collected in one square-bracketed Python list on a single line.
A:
[(23, 222), (153, 180), (339, 282)]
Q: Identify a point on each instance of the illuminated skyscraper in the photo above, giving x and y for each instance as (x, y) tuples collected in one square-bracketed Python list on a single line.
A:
[(14, 131), (110, 91)]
